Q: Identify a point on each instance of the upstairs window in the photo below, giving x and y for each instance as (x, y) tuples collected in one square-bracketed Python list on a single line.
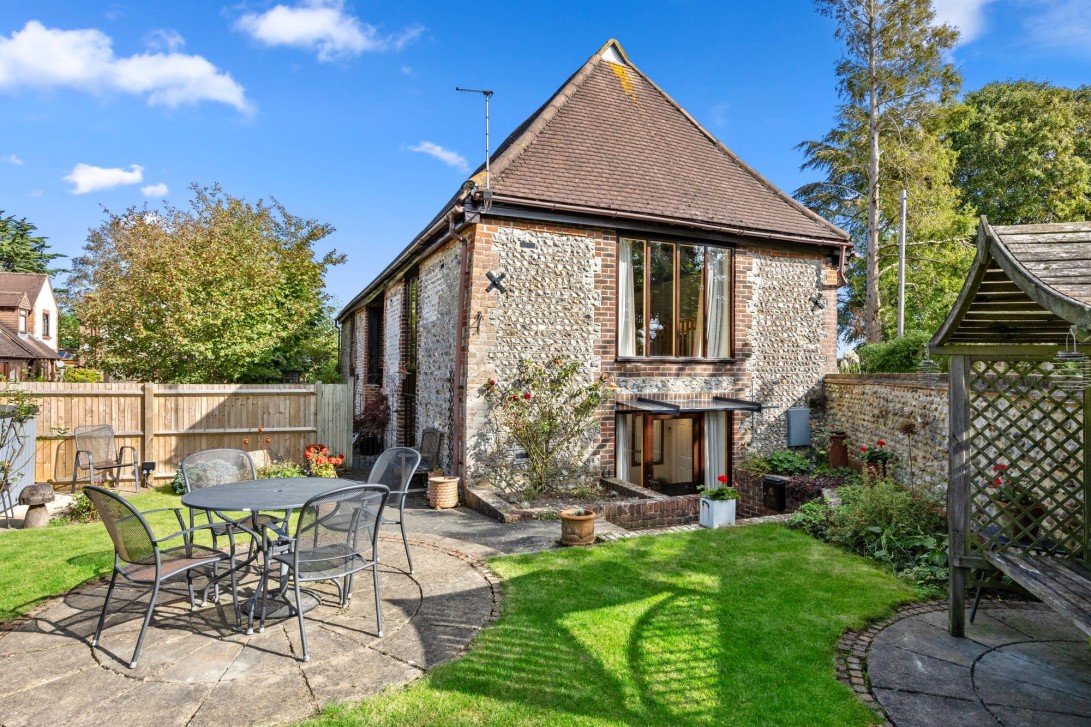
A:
[(45, 324), (674, 300)]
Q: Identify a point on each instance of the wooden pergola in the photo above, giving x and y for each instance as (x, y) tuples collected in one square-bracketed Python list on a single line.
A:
[(1014, 403)]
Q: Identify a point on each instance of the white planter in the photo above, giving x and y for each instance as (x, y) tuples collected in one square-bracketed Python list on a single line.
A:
[(717, 513)]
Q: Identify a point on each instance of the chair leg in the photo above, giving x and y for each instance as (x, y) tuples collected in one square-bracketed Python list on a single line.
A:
[(144, 628), (192, 596), (263, 585), (105, 604), (235, 593), (405, 540), (299, 613), (378, 607)]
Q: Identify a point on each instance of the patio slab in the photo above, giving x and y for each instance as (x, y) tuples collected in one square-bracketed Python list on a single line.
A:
[(197, 669), (1018, 665)]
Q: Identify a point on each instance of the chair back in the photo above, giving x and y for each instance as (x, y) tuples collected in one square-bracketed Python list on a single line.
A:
[(132, 536), (99, 440), (395, 468), (217, 467), (335, 526), (431, 439)]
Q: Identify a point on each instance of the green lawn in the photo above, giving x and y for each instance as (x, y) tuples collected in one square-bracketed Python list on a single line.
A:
[(725, 627), (37, 564)]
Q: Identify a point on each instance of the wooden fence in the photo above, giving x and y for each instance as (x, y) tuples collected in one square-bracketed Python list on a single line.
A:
[(167, 422)]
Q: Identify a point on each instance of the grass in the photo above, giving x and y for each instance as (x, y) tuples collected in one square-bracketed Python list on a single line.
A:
[(37, 564), (726, 627)]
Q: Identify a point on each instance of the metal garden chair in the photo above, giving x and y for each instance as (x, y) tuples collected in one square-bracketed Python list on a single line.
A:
[(431, 440), (332, 535), (395, 468), (140, 557), (96, 449)]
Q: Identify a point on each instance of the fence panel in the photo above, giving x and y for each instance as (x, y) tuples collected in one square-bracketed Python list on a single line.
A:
[(166, 422), (335, 418)]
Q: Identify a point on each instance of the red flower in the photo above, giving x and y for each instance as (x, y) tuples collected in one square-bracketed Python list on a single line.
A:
[(1003, 466), (999, 480), (515, 398), (492, 382), (995, 468), (863, 449), (722, 479), (881, 443), (526, 395)]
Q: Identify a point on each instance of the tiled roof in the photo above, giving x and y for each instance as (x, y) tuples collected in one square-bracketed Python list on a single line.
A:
[(29, 283), (14, 300), (611, 140), (14, 346)]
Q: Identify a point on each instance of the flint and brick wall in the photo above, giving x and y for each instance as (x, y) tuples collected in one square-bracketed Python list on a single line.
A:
[(437, 309), (869, 407), (392, 357)]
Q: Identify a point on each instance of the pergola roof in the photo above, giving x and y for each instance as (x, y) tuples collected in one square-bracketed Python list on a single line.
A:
[(1028, 286)]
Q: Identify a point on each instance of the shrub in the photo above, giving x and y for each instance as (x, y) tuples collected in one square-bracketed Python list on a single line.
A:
[(814, 518), (178, 484), (899, 356), (373, 417), (78, 375), (283, 468), (787, 462), (80, 510), (804, 488)]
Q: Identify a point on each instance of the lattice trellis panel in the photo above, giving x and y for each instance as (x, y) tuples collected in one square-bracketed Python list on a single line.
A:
[(1018, 417)]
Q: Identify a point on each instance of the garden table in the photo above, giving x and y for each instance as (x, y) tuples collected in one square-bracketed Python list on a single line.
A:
[(253, 497)]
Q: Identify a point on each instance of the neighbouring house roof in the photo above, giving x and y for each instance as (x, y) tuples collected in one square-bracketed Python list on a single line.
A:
[(611, 143), (1029, 285), (29, 283), (12, 345), (14, 300)]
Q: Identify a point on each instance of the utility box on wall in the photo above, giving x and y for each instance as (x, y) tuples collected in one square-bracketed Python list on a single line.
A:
[(799, 427)]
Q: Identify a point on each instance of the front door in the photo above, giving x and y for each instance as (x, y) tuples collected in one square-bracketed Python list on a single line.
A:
[(672, 452)]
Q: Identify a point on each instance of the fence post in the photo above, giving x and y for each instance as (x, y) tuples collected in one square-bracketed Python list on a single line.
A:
[(148, 426)]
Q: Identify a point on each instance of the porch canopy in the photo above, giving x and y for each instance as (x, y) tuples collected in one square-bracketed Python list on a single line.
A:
[(665, 404), (1020, 413)]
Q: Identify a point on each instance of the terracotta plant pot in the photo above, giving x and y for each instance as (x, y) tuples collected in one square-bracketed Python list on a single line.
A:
[(577, 526), (876, 469), (838, 453), (442, 492)]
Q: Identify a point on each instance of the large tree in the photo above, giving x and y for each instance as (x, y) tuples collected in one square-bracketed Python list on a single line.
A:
[(1025, 152), (895, 88), (225, 291), (22, 251)]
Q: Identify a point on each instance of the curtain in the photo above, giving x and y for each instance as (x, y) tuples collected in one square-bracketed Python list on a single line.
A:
[(715, 452), (621, 447), (719, 303), (626, 324)]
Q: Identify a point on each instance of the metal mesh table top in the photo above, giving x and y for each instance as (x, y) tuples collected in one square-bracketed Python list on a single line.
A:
[(287, 493)]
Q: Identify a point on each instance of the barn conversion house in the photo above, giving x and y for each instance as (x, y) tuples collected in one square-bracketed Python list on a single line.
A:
[(615, 229)]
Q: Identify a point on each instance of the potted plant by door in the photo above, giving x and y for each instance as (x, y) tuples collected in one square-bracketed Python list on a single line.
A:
[(577, 526), (876, 458), (718, 504), (1020, 512), (442, 490)]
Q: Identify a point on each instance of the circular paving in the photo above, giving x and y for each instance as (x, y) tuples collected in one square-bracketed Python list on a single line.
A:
[(195, 668), (1019, 665)]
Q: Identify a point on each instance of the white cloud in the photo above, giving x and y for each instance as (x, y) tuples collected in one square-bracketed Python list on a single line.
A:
[(155, 190), (966, 15), (12, 159), (1064, 24), (324, 26), (164, 39), (42, 58), (448, 157), (88, 178)]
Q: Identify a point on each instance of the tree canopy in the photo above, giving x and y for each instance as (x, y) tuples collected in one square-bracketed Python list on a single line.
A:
[(22, 251), (897, 102), (1024, 152), (225, 291)]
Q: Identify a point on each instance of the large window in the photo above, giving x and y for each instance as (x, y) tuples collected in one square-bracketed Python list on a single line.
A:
[(674, 300), (374, 362), (673, 454)]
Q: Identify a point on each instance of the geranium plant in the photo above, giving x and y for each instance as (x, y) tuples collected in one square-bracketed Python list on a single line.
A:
[(878, 453), (1002, 488), (319, 461), (551, 411), (723, 491)]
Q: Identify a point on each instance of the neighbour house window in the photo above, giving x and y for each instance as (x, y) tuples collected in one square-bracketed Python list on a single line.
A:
[(674, 300), (45, 324), (22, 322), (375, 345)]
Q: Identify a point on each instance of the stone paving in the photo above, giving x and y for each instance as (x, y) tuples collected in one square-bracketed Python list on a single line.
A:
[(195, 669), (1019, 665)]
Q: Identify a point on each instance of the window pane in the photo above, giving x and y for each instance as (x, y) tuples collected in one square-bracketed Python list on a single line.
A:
[(719, 302), (638, 257), (691, 295), (661, 310)]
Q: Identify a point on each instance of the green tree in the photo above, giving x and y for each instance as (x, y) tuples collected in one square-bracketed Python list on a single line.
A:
[(1025, 152), (896, 93), (225, 291), (21, 251)]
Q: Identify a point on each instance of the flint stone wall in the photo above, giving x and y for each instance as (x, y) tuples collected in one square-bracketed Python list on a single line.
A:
[(438, 316), (392, 361)]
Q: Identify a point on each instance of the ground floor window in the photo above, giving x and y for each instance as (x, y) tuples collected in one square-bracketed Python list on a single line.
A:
[(672, 453)]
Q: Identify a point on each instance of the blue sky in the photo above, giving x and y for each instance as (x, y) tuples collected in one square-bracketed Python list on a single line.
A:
[(346, 111)]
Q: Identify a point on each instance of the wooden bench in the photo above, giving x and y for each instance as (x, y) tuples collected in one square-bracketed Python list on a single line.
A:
[(1062, 584)]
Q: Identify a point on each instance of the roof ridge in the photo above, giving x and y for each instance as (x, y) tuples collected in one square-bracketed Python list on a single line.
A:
[(528, 132), (807, 211)]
